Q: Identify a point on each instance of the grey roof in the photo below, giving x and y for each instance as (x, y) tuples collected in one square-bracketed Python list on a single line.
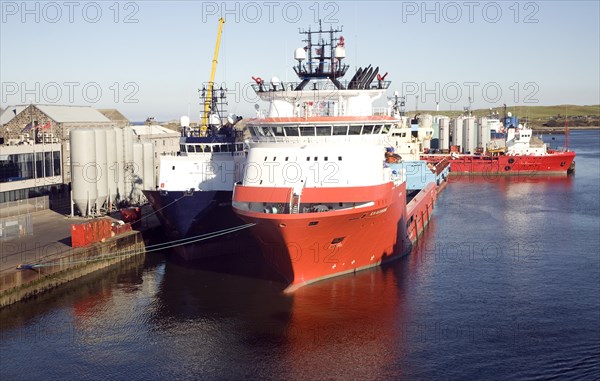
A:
[(59, 114), (8, 114), (67, 114), (154, 130), (114, 115)]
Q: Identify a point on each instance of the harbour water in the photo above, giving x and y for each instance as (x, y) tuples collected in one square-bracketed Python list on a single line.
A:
[(504, 284)]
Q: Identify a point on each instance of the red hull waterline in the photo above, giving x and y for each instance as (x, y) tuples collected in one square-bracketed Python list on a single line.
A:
[(554, 163), (309, 247)]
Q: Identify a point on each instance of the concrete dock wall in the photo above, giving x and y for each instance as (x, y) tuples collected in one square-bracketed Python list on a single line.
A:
[(68, 265)]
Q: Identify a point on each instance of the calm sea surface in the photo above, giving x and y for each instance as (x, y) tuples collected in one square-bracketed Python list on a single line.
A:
[(504, 284)]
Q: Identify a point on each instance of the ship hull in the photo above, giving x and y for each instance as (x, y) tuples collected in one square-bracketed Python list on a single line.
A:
[(184, 215), (555, 163), (308, 247)]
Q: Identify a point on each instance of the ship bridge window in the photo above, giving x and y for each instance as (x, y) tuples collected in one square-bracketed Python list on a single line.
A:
[(278, 131), (354, 130), (377, 128), (386, 128), (216, 148), (323, 130), (340, 130), (182, 147), (258, 131), (291, 131), (367, 130), (307, 131), (207, 148), (198, 148), (240, 146)]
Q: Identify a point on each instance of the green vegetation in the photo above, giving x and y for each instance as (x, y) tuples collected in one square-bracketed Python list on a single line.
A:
[(540, 116)]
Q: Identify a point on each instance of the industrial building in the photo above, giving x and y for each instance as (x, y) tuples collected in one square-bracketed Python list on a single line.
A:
[(164, 141), (35, 155)]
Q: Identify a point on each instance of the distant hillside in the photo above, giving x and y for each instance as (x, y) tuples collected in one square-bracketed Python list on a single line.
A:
[(542, 117)]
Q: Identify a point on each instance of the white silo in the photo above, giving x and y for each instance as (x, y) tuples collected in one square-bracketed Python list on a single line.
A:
[(84, 171), (469, 135), (425, 131), (113, 166), (128, 138), (483, 133), (102, 183), (120, 164), (444, 123), (148, 153), (456, 130), (137, 173)]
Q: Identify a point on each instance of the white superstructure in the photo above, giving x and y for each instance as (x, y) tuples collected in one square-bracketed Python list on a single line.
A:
[(202, 166)]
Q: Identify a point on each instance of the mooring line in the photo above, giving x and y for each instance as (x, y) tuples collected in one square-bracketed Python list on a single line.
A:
[(148, 249)]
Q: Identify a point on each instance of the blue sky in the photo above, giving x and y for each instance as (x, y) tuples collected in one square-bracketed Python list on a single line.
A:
[(148, 58)]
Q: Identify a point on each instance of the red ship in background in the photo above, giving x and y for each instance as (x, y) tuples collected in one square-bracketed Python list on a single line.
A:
[(316, 186), (514, 151)]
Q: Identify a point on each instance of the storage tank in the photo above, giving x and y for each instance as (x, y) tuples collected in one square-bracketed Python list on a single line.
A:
[(120, 164), (128, 138), (456, 130), (425, 131), (444, 123), (148, 157), (469, 135), (102, 183), (137, 172), (483, 133), (84, 171), (112, 164)]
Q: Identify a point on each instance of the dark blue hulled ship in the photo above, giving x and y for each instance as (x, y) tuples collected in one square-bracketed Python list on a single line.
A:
[(193, 197)]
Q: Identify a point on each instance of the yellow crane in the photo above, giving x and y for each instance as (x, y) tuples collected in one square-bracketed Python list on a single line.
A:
[(208, 99)]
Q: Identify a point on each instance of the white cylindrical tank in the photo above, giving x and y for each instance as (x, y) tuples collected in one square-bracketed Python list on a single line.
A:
[(102, 183), (84, 172), (483, 133), (120, 164), (128, 162), (112, 164), (148, 157), (469, 135), (425, 130), (456, 130), (444, 123), (137, 172)]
